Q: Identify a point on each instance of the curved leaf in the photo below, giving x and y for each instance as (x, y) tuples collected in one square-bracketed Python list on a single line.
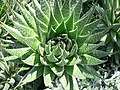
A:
[(32, 75), (90, 60), (74, 71)]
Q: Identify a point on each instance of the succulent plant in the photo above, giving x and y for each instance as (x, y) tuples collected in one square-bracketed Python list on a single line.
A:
[(111, 18), (59, 43)]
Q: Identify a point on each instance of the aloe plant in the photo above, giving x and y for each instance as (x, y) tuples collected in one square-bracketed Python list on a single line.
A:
[(110, 10), (58, 43)]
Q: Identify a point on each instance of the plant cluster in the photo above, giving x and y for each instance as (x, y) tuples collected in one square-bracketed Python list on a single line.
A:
[(60, 44)]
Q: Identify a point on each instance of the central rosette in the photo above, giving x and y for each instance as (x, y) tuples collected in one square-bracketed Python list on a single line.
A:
[(60, 51)]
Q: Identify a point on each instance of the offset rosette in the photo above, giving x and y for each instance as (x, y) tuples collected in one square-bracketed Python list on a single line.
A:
[(57, 41)]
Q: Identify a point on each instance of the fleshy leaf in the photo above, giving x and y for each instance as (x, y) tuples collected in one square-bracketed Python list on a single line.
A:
[(87, 48), (24, 30), (69, 23), (53, 22), (62, 62), (51, 57), (57, 11), (74, 50), (9, 58), (32, 42), (64, 80), (81, 40), (33, 60), (96, 37), (77, 10), (89, 72), (6, 87), (39, 13), (85, 19), (27, 16), (74, 60), (73, 34), (14, 32), (48, 76), (41, 50), (17, 52), (42, 31), (74, 71), (45, 7), (89, 28), (32, 75), (20, 18), (69, 83), (58, 51), (99, 53), (42, 60), (57, 69), (90, 60), (66, 9), (61, 29), (51, 33)]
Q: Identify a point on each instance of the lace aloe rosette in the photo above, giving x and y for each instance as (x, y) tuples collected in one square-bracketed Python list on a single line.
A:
[(59, 42)]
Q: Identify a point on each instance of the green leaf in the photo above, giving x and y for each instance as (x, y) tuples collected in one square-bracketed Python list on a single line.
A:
[(78, 10), (39, 13), (9, 58), (73, 34), (42, 60), (32, 42), (33, 60), (45, 7), (74, 84), (89, 28), (57, 69), (64, 80), (69, 23), (48, 48), (32, 75), (51, 57), (66, 9), (74, 60), (41, 50), (14, 32), (51, 33), (40, 25), (81, 40), (31, 9), (58, 50), (89, 72), (99, 53), (93, 38), (24, 30), (4, 66), (6, 87), (69, 82), (73, 2), (48, 76), (85, 19), (64, 54), (53, 22), (19, 18), (87, 48), (62, 62), (74, 71), (27, 16), (90, 60), (73, 50), (57, 11), (42, 31), (61, 29), (19, 52)]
